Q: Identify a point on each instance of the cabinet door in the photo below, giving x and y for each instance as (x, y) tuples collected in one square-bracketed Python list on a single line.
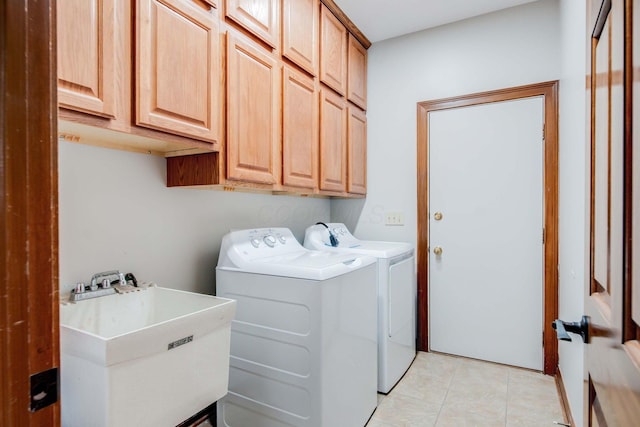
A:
[(178, 68), (299, 130), (300, 33), (357, 151), (260, 17), (253, 114), (333, 52), (333, 141), (357, 73), (86, 55)]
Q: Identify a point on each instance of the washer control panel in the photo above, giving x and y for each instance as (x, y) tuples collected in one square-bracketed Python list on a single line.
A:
[(264, 242), (267, 237)]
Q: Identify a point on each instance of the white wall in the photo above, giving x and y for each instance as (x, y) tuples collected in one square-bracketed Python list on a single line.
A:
[(532, 43), (117, 213), (574, 261)]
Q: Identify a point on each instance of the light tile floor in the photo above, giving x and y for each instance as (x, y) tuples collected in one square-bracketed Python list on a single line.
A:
[(440, 390)]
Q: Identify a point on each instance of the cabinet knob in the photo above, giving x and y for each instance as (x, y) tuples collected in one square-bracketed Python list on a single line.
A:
[(437, 250)]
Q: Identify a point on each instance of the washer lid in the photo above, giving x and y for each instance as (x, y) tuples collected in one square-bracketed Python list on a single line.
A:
[(276, 252), (317, 238)]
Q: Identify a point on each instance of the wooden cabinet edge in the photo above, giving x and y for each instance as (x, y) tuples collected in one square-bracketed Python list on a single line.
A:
[(352, 94), (348, 23), (337, 83), (76, 128), (295, 57), (246, 45), (203, 16), (354, 112), (193, 170), (273, 41)]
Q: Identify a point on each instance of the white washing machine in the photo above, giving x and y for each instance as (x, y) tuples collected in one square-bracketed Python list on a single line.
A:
[(304, 339), (397, 293)]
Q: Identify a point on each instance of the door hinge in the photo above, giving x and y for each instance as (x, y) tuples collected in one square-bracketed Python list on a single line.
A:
[(544, 131), (544, 235), (44, 389)]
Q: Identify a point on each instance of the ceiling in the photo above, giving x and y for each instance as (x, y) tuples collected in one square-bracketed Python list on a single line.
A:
[(384, 19)]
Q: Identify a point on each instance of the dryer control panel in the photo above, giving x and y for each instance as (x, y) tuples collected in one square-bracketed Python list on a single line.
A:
[(319, 234)]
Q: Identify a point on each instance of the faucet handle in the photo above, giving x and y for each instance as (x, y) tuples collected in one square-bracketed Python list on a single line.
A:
[(105, 275)]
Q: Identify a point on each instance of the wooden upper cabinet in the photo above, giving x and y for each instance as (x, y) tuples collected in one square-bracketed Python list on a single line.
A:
[(178, 68), (333, 51), (253, 114), (333, 142), (86, 55), (300, 33), (299, 130), (260, 17), (357, 73), (357, 151)]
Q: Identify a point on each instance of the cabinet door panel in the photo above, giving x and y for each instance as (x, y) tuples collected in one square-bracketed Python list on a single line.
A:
[(299, 130), (333, 52), (260, 17), (357, 152), (252, 114), (177, 70), (333, 141), (86, 55), (357, 73), (300, 33)]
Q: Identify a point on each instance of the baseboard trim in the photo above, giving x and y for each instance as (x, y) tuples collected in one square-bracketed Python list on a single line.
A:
[(564, 400)]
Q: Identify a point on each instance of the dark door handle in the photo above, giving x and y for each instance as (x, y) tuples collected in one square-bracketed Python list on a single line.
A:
[(581, 328)]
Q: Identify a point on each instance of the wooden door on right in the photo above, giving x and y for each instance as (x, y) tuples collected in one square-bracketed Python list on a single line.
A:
[(612, 300)]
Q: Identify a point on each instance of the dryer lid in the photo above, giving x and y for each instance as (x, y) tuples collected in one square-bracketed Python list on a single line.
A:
[(317, 238)]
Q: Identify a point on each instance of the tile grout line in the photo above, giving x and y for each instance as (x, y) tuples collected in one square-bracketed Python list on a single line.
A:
[(506, 403), (455, 371)]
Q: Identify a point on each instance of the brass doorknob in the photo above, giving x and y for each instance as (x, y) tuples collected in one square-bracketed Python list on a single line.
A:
[(437, 216), (437, 250)]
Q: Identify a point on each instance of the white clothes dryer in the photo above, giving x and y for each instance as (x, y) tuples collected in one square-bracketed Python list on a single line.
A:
[(303, 342), (397, 295)]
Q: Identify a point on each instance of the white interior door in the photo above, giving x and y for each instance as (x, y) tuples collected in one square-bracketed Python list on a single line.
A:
[(486, 181)]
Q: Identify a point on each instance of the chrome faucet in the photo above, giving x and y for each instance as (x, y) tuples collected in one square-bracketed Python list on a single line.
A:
[(106, 283), (97, 289)]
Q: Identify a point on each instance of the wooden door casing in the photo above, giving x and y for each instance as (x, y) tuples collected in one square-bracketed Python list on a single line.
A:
[(253, 113), (87, 55), (178, 68), (300, 33), (333, 141), (613, 350), (549, 90), (260, 17), (29, 214), (333, 51)]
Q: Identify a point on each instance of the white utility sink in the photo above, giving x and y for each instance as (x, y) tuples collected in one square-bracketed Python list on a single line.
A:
[(152, 357)]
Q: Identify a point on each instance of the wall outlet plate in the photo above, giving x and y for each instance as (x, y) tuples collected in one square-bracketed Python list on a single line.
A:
[(394, 218)]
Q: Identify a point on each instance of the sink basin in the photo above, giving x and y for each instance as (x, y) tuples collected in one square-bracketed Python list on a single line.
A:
[(154, 357)]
